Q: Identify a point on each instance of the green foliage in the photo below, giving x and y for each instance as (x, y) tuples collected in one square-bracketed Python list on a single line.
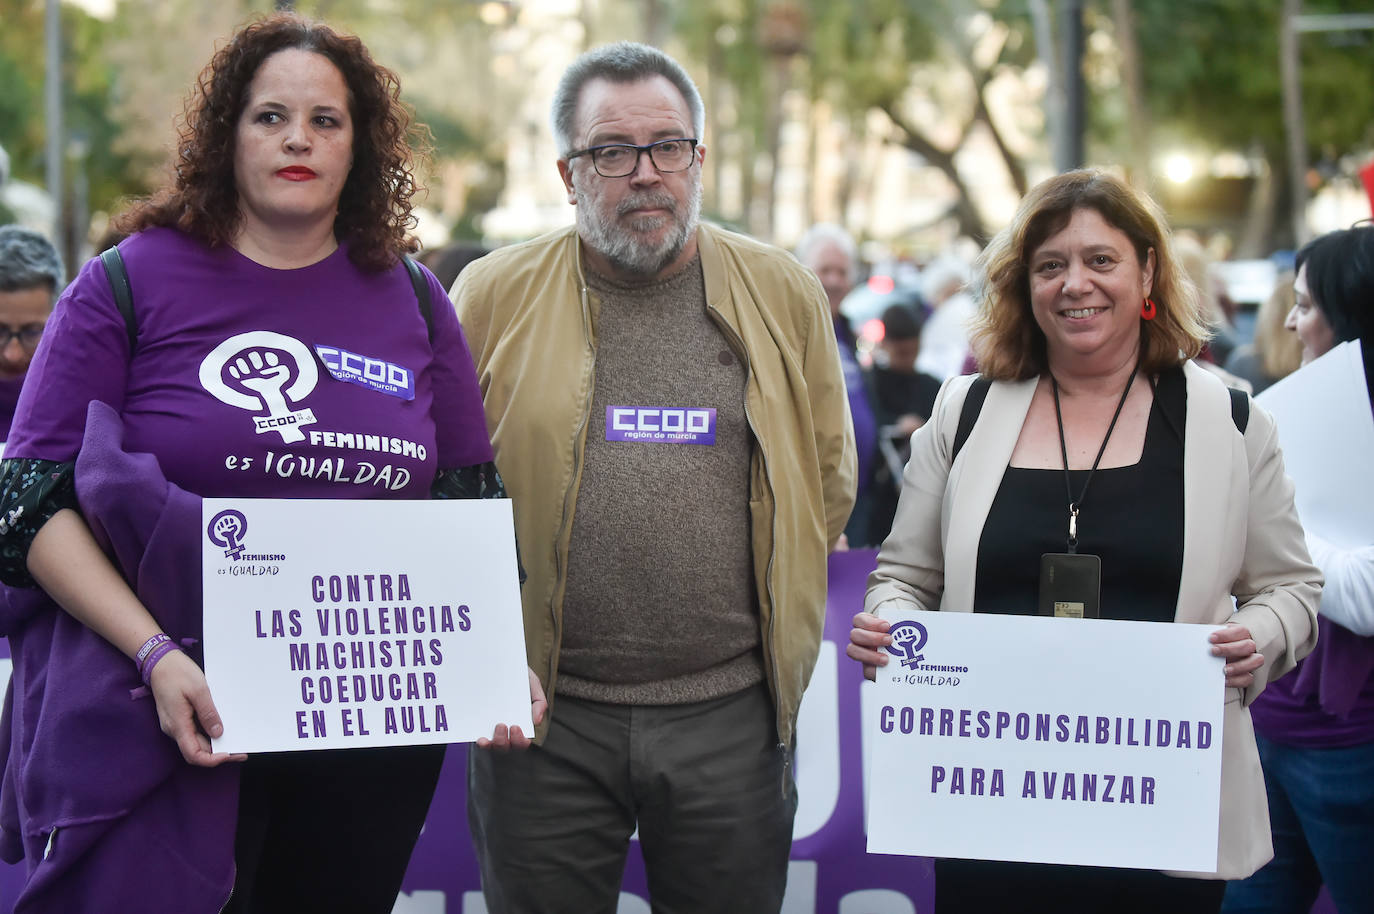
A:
[(863, 54), (1212, 68), (724, 34), (443, 53), (88, 82), (935, 57), (21, 74), (91, 84)]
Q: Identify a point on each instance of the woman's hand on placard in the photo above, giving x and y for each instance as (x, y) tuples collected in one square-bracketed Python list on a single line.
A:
[(866, 642), (186, 711), (1235, 645)]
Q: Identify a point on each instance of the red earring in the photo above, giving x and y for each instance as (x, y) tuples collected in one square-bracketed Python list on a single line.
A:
[(1147, 310)]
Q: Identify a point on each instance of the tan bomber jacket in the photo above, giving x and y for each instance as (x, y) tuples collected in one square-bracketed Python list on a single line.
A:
[(530, 321)]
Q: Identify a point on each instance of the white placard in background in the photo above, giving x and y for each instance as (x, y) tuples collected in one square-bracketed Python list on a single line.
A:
[(1046, 740), (334, 624), (1326, 431)]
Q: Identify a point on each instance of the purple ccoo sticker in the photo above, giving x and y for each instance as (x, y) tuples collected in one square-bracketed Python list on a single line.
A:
[(661, 424), (374, 374)]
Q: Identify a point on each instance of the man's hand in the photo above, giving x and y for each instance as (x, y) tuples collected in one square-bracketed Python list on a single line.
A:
[(504, 737)]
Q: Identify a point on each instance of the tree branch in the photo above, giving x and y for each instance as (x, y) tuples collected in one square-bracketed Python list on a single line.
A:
[(981, 79), (970, 222)]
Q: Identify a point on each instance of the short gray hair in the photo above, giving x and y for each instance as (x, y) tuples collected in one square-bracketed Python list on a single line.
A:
[(823, 232), (28, 261), (623, 62)]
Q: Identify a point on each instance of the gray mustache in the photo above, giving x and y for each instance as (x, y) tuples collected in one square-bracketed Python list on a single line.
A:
[(657, 201)]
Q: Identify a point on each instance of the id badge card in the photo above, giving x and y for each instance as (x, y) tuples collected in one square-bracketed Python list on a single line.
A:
[(1070, 585)]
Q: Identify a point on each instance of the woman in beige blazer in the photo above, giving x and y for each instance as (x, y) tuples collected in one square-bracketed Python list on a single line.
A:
[(1098, 436)]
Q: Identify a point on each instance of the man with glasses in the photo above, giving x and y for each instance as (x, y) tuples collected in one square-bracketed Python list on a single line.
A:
[(669, 415), (30, 278)]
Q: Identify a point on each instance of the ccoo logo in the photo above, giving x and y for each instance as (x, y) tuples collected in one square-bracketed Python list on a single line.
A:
[(908, 638), (262, 371), (226, 530)]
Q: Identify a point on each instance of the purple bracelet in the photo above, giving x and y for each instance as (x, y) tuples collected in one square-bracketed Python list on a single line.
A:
[(147, 648), (145, 669)]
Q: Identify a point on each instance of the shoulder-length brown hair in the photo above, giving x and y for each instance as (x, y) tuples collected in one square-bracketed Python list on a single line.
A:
[(1008, 343), (374, 215)]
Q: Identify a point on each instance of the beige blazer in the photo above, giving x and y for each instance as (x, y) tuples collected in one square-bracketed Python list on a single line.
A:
[(1241, 538)]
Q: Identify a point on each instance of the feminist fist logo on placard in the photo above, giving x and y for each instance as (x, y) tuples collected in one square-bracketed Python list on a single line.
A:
[(907, 640), (261, 370), (226, 530)]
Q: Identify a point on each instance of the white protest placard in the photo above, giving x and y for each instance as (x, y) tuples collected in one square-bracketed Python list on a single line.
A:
[(332, 624), (1046, 740), (1326, 432)]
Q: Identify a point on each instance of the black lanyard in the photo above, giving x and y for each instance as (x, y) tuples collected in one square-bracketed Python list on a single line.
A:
[(1075, 504)]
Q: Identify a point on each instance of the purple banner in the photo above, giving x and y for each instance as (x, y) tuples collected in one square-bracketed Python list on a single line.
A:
[(661, 424), (830, 871)]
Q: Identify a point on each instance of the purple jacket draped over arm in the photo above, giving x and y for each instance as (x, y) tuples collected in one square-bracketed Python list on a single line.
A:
[(95, 799)]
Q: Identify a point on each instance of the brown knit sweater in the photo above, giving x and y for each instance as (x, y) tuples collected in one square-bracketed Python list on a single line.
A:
[(660, 605)]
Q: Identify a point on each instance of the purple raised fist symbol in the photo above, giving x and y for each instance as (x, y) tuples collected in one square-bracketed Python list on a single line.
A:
[(907, 640), (226, 530)]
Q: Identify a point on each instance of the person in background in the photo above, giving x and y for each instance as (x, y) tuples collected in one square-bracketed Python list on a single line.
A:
[(1084, 333), (284, 230), (1315, 727), (448, 261), (945, 336), (829, 252), (904, 398), (1196, 263), (668, 410), (31, 275), (1274, 353)]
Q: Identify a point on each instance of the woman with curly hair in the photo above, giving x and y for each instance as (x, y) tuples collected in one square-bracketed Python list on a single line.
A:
[(274, 262), (1092, 442)]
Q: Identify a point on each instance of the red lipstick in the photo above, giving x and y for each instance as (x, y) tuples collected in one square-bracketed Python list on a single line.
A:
[(296, 173)]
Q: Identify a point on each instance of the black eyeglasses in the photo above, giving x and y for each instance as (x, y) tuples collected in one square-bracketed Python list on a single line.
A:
[(27, 335), (618, 160)]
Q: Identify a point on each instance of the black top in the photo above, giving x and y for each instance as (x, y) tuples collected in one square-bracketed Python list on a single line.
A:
[(901, 394), (1132, 519)]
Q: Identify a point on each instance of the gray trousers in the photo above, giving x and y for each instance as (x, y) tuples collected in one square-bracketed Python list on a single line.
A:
[(707, 784)]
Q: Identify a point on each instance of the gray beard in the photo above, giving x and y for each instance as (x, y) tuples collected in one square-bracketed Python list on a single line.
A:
[(625, 251)]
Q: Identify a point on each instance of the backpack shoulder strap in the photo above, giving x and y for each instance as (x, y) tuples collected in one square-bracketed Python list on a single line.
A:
[(968, 415), (1240, 408), (417, 279), (123, 292)]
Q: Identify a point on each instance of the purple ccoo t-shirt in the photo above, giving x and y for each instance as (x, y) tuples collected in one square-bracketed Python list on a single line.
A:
[(247, 381)]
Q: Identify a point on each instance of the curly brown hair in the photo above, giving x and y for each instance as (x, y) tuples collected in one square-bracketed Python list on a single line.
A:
[(1009, 344), (374, 215)]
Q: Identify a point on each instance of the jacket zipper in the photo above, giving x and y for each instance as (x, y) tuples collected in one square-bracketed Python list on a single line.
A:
[(579, 445), (769, 647)]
